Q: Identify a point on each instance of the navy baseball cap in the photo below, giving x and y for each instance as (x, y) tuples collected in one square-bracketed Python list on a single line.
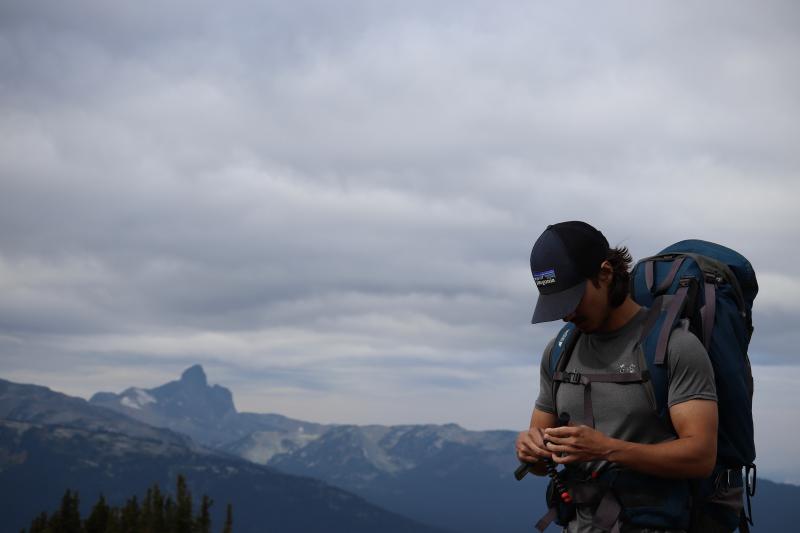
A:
[(563, 258)]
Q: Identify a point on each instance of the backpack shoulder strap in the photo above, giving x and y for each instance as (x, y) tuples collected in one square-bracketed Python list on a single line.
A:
[(663, 316), (562, 347), (560, 353)]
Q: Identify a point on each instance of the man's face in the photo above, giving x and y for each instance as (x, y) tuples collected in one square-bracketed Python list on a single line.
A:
[(593, 311)]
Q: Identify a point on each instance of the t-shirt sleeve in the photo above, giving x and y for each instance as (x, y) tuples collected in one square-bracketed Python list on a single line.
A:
[(545, 400), (691, 376)]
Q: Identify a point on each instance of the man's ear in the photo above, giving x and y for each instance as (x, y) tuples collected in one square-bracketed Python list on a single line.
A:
[(606, 273)]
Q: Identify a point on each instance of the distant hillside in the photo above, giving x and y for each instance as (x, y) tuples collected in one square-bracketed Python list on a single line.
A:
[(442, 475), (40, 405), (40, 457)]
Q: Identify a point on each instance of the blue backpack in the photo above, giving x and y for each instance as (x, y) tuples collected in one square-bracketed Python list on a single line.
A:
[(713, 287)]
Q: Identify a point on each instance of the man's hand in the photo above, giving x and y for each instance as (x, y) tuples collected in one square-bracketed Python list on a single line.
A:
[(577, 444), (531, 447)]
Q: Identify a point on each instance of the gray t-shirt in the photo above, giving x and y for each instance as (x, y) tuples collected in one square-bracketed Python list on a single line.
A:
[(626, 411)]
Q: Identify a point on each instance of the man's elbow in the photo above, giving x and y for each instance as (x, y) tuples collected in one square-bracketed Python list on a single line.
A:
[(706, 461), (705, 469)]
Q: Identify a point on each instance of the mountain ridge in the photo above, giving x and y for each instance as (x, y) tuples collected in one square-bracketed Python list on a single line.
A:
[(50, 442)]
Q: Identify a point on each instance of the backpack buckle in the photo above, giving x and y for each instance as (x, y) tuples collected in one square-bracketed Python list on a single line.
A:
[(573, 378)]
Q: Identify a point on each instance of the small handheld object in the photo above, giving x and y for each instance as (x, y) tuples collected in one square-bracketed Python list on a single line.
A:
[(524, 468)]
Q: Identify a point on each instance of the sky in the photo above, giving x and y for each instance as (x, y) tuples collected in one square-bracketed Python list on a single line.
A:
[(331, 205)]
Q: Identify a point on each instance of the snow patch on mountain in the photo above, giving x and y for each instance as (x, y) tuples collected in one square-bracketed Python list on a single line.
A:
[(261, 446), (137, 398)]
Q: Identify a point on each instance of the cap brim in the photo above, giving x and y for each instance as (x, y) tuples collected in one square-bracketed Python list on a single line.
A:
[(558, 305)]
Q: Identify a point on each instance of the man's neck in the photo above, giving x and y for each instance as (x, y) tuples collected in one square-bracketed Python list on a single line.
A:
[(619, 316)]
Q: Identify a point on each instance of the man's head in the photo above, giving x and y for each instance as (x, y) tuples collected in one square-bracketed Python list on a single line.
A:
[(579, 277)]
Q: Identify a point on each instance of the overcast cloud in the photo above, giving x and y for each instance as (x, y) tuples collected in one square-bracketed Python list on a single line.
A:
[(330, 205)]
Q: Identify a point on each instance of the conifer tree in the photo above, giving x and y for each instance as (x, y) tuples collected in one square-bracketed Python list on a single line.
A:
[(113, 521), (228, 528), (39, 524), (146, 512), (203, 522), (129, 517), (100, 517), (68, 518), (183, 507), (159, 518), (170, 522)]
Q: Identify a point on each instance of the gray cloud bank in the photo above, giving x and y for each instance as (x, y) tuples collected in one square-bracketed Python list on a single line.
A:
[(331, 205)]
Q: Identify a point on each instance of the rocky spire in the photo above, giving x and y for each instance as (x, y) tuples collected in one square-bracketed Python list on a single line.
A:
[(194, 375)]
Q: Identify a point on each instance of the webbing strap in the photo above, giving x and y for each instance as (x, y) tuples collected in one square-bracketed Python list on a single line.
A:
[(750, 490), (547, 519), (588, 410), (606, 516), (708, 311), (576, 378), (672, 313), (676, 264), (649, 275)]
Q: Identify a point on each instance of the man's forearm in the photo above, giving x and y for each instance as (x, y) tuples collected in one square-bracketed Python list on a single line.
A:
[(688, 457), (691, 455)]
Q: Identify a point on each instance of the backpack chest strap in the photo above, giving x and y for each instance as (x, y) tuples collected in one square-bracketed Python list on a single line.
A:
[(586, 380)]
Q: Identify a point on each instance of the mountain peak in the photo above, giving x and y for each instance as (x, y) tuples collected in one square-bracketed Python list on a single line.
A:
[(194, 375)]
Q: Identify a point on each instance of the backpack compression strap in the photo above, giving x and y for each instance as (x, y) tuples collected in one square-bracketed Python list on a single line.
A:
[(709, 308), (649, 275), (673, 309)]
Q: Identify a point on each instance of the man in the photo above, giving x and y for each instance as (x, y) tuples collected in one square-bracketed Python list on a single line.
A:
[(615, 432)]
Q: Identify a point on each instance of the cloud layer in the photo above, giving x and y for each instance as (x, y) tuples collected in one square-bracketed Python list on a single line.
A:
[(331, 206)]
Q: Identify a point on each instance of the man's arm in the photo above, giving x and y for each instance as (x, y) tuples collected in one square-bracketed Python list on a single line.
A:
[(530, 444), (691, 455)]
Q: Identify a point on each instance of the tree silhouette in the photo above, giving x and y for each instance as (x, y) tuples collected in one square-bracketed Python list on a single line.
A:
[(158, 513), (68, 517), (100, 517), (130, 517), (203, 522), (183, 507), (228, 520)]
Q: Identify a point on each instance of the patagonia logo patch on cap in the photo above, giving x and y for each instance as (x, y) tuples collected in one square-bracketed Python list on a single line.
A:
[(546, 277)]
